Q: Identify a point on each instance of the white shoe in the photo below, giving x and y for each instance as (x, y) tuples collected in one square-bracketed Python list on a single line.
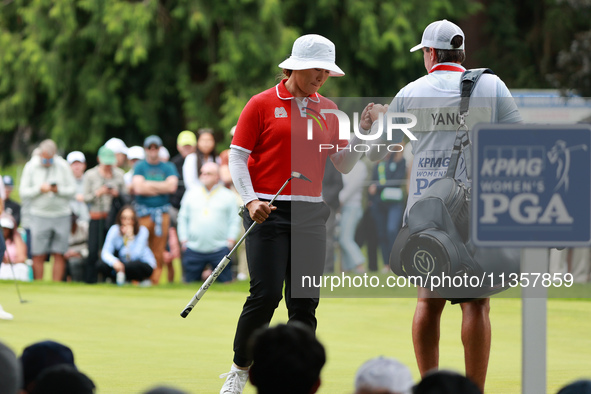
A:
[(120, 278), (145, 283), (5, 315), (235, 382)]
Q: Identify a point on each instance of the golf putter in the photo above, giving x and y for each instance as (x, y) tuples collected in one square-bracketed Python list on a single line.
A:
[(14, 276), (226, 259)]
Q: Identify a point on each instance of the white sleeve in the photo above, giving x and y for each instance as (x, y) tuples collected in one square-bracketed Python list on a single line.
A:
[(190, 176), (238, 162), (345, 159), (507, 111), (181, 226), (378, 149), (2, 190)]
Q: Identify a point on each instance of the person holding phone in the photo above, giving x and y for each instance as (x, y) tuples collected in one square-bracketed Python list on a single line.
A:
[(102, 184), (49, 184)]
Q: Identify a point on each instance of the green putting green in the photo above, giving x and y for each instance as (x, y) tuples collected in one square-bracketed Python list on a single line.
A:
[(128, 338)]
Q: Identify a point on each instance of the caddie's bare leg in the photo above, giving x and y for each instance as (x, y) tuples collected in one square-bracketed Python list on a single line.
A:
[(426, 330), (476, 337)]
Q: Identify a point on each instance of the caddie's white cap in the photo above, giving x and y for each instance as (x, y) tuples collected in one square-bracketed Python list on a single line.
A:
[(136, 152), (116, 145), (384, 373), (439, 34), (75, 156), (313, 51)]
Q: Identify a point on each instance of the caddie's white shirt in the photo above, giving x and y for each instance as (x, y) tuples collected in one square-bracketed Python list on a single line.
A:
[(435, 99)]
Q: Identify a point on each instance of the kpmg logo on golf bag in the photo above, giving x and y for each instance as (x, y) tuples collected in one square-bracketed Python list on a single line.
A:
[(344, 124), (512, 183), (432, 165)]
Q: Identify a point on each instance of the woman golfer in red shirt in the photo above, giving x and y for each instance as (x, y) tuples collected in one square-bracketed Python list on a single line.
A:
[(279, 131)]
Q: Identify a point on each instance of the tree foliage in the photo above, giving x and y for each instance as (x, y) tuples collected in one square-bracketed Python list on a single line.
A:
[(574, 61), (523, 39), (82, 71)]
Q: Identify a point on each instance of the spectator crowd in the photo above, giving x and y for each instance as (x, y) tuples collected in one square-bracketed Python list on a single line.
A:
[(181, 207), (185, 207), (117, 221)]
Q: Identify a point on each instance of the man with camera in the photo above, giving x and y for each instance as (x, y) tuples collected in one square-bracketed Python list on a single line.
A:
[(435, 101), (102, 184)]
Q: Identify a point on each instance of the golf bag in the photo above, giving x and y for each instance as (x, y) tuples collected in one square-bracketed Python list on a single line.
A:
[(435, 240)]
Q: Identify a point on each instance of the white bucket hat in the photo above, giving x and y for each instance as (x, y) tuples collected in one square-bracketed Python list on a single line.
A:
[(439, 34), (313, 51)]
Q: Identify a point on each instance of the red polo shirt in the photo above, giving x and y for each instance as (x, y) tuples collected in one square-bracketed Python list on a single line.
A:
[(273, 129)]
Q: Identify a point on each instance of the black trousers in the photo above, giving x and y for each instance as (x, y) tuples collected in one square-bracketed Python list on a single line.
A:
[(291, 243), (135, 270), (97, 231)]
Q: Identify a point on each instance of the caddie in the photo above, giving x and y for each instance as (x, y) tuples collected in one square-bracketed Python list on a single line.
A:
[(435, 99)]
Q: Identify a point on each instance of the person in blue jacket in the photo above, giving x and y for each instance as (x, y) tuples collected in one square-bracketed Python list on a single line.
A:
[(126, 254)]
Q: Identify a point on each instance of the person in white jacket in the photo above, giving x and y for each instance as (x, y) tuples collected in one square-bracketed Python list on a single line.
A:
[(49, 184)]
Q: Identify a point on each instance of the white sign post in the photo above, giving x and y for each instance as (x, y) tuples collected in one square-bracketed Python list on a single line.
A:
[(534, 322)]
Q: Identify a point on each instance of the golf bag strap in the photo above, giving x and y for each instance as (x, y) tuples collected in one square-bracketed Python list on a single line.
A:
[(467, 84), (462, 141)]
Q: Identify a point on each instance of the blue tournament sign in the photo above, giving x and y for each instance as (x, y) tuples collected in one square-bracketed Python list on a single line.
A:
[(531, 185)]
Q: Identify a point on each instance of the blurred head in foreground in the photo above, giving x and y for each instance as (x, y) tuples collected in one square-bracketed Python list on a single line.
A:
[(286, 356)]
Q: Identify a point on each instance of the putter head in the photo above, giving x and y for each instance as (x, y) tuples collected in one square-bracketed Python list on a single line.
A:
[(299, 175)]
